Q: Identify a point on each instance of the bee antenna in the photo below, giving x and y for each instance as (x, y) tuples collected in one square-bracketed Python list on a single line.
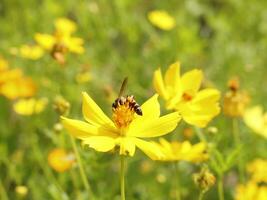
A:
[(123, 85)]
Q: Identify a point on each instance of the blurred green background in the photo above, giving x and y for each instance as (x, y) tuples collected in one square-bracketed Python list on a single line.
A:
[(225, 38)]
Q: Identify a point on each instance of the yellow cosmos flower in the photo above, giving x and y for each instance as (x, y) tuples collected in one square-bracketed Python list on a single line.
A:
[(29, 106), (182, 93), (251, 191), (60, 160), (256, 120), (235, 101), (32, 52), (125, 130), (161, 19), (14, 85), (175, 151), (258, 170)]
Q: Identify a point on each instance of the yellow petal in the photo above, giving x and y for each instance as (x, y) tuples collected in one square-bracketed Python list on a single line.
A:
[(93, 113), (191, 81), (127, 145), (202, 109), (149, 148), (154, 128), (159, 84), (75, 45), (172, 78), (65, 26), (100, 143), (161, 19), (83, 130), (254, 119), (31, 52), (45, 40)]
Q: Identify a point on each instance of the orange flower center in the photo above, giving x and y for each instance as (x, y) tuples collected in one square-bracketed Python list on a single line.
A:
[(187, 96), (123, 112)]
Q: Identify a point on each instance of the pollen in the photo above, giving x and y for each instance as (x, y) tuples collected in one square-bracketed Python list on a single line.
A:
[(123, 115), (187, 96)]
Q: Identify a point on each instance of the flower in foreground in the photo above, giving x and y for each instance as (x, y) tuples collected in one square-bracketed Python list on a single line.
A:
[(175, 151), (256, 119), (182, 93), (161, 19), (126, 130)]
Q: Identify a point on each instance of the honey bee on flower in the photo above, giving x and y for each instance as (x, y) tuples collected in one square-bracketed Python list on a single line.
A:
[(183, 94), (61, 41), (127, 129)]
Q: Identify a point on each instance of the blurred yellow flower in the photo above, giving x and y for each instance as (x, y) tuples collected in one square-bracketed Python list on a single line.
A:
[(251, 191), (235, 101), (161, 19), (125, 129), (256, 120), (61, 41), (60, 160), (175, 151), (258, 170), (33, 52), (29, 106), (13, 84), (182, 94), (21, 190)]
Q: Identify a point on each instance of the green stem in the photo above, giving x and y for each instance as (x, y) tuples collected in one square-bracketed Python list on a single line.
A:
[(235, 130), (220, 188), (176, 182), (81, 168), (122, 179), (3, 192), (201, 195)]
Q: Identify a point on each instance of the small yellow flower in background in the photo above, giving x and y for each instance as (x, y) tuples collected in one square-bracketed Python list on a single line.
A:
[(60, 160), (61, 41), (14, 85), (175, 151), (125, 130), (182, 93), (30, 106), (251, 191), (161, 19), (235, 101), (32, 52), (258, 170), (21, 190), (83, 77), (256, 120)]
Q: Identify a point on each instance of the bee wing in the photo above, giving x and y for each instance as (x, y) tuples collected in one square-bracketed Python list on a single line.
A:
[(123, 85)]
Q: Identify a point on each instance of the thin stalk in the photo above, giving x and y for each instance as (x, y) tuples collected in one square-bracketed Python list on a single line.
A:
[(81, 168), (3, 192), (235, 130), (201, 195), (122, 179), (176, 182), (220, 188)]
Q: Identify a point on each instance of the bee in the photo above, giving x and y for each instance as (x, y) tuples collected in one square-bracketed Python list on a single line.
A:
[(129, 100)]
